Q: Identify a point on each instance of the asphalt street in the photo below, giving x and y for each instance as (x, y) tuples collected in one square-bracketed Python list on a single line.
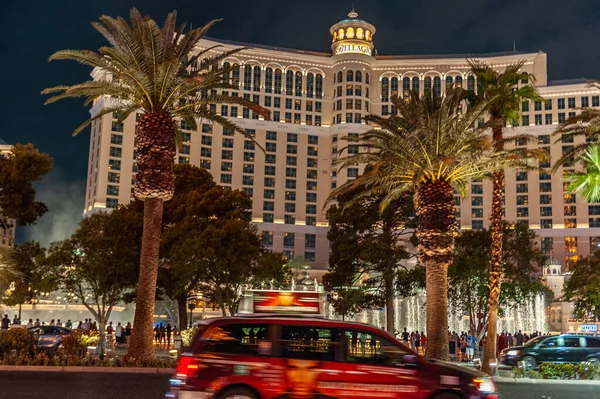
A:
[(89, 385)]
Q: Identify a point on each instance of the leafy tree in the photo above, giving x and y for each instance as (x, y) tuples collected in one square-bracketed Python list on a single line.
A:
[(161, 72), (19, 169), (468, 275), (367, 247), (504, 94), (431, 149), (29, 275), (98, 263), (586, 182), (583, 287)]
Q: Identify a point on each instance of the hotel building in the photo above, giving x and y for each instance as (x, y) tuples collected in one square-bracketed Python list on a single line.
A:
[(315, 100)]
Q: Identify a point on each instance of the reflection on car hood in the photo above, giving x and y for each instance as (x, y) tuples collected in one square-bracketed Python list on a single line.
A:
[(457, 369), (514, 348)]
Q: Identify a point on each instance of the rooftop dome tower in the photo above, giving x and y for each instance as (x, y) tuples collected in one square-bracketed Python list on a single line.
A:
[(352, 36)]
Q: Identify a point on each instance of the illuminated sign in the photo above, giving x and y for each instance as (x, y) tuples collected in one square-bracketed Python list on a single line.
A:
[(353, 48), (589, 327), (286, 302)]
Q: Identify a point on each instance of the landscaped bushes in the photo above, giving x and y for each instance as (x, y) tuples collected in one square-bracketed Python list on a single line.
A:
[(187, 336), (560, 371), (43, 359), (17, 340)]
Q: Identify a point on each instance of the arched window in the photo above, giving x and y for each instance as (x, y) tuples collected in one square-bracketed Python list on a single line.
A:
[(310, 84), (360, 33), (226, 72), (235, 75), (385, 89), (437, 86), (341, 34), (319, 86), (367, 78), (247, 77), (334, 36), (339, 76), (394, 84), (415, 85), (256, 79), (368, 35), (349, 76), (350, 33), (278, 81), (405, 87), (471, 82), (427, 84), (458, 81), (269, 80), (289, 83), (358, 76), (448, 82), (298, 84)]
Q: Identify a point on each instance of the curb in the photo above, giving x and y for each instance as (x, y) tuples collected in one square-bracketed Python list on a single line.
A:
[(89, 369), (543, 381)]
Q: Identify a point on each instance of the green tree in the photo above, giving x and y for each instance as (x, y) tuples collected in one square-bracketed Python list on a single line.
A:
[(19, 169), (29, 275), (468, 274), (586, 182), (161, 72), (99, 262), (431, 149), (367, 248), (504, 94), (583, 287)]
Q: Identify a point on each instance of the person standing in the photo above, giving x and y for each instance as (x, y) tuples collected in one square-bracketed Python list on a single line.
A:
[(405, 336), (162, 333), (519, 338), (510, 342), (37, 323), (156, 334), (501, 342), (58, 323), (127, 332), (30, 323), (5, 322), (470, 343), (52, 322), (417, 341), (109, 334), (423, 342), (68, 324), (169, 331), (119, 334), (16, 321)]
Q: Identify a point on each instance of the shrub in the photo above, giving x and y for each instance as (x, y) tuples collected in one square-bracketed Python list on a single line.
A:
[(44, 359), (187, 336), (561, 371), (19, 340)]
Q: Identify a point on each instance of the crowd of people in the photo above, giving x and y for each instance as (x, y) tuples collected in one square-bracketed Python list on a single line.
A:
[(414, 340), (162, 334)]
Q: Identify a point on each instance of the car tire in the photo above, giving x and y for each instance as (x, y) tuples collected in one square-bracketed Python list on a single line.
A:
[(446, 395), (238, 393), (594, 360), (529, 362)]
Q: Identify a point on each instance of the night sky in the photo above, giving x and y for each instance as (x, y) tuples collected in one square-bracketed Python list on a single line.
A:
[(30, 31)]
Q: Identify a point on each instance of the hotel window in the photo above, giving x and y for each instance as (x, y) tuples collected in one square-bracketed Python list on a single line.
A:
[(248, 168), (297, 119), (290, 172), (471, 82), (384, 110), (269, 80), (357, 117), (112, 190), (311, 185), (245, 113), (525, 106), (288, 239), (267, 238), (522, 188), (247, 77), (311, 221), (116, 139), (227, 143), (594, 243), (571, 102), (349, 76), (292, 149), (226, 166), (290, 196), (310, 240), (292, 137), (521, 141), (385, 90), (117, 127), (437, 86), (476, 201), (310, 85), (544, 139), (114, 164), (546, 223), (548, 119), (249, 145), (594, 209), (545, 211), (183, 160), (349, 90), (338, 92), (595, 101), (545, 199), (206, 128), (311, 197), (415, 84), (352, 172), (572, 114), (545, 176), (561, 103), (292, 161), (269, 170), (291, 184), (289, 83), (477, 213), (247, 181), (270, 158), (571, 223), (566, 139), (545, 187), (249, 156), (476, 189), (289, 219), (117, 152), (234, 111), (349, 103), (114, 177), (311, 209), (312, 162), (546, 245), (298, 84), (561, 117), (290, 207), (521, 176), (268, 217), (569, 199), (313, 139), (271, 147), (524, 222), (313, 151), (256, 79), (538, 119), (224, 110), (456, 200), (522, 212), (537, 105), (348, 117), (594, 222), (585, 102), (269, 182), (112, 203), (394, 87), (548, 105), (522, 200), (525, 120), (235, 75), (277, 81), (298, 105), (269, 194), (477, 224), (311, 174), (268, 205), (268, 101), (225, 178)]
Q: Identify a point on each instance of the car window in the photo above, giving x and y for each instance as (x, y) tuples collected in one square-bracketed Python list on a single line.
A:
[(550, 343), (306, 342), (242, 338), (593, 342), (571, 342), (364, 347)]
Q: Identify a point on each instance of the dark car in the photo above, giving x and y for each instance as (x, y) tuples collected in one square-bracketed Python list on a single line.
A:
[(567, 348), (282, 357), (49, 337)]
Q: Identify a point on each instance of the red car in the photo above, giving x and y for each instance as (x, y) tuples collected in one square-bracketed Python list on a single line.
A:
[(281, 357)]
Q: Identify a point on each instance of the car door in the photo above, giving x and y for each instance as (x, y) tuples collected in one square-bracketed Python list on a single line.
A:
[(572, 349), (374, 364), (547, 350)]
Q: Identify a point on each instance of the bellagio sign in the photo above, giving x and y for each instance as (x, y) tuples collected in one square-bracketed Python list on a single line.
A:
[(353, 48)]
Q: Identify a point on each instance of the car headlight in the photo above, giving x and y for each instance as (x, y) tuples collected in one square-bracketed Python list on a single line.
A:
[(484, 385), (512, 353)]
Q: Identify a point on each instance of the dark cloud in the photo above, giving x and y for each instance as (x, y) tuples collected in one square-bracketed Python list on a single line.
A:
[(31, 31)]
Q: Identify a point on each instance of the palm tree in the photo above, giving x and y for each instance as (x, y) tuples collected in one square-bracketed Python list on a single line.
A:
[(505, 107), (587, 182), (159, 72), (432, 149)]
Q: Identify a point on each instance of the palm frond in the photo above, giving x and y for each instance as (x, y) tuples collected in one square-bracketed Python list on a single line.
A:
[(587, 182)]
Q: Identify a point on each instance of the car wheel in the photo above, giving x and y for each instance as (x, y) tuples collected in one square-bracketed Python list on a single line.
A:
[(529, 362), (594, 360), (446, 395), (238, 393)]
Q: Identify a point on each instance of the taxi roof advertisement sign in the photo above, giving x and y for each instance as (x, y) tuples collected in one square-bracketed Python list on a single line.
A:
[(296, 302)]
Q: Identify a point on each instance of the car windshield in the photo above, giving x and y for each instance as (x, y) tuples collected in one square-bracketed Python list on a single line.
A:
[(536, 340)]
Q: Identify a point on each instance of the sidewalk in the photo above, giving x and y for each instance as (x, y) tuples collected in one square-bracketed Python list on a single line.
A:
[(121, 350)]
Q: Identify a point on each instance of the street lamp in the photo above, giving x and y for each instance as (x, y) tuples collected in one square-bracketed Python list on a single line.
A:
[(191, 307)]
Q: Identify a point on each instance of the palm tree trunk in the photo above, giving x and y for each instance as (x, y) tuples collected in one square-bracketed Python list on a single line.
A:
[(496, 268), (140, 346), (437, 229)]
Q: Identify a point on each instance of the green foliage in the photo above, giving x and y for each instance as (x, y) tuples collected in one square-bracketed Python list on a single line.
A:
[(17, 340), (57, 359), (187, 336), (468, 275), (561, 371), (19, 169), (76, 343), (583, 287), (587, 182)]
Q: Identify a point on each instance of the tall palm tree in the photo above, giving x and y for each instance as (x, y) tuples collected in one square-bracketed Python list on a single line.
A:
[(504, 97), (160, 72), (587, 182), (431, 149)]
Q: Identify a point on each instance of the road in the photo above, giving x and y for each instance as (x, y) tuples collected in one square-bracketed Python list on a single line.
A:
[(88, 385)]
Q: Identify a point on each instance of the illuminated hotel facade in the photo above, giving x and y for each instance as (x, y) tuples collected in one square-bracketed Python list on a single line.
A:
[(315, 100)]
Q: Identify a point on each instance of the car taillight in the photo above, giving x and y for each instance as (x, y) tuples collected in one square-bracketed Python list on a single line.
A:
[(484, 385), (187, 366)]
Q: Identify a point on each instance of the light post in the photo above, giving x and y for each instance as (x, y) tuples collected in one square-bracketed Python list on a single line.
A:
[(191, 307)]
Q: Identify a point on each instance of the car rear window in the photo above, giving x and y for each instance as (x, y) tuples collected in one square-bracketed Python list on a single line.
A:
[(306, 342), (593, 342), (238, 338), (572, 342)]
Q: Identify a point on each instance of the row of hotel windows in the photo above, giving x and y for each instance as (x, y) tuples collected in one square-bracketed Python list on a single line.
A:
[(351, 90), (294, 81), (560, 103), (389, 87)]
